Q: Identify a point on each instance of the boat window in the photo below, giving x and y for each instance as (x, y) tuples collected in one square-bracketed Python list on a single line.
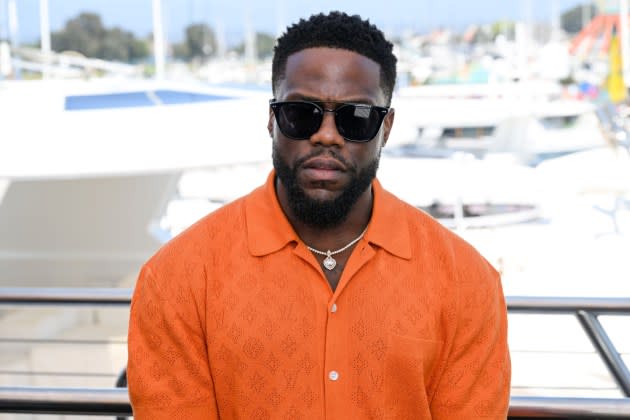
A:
[(137, 99), (558, 122), (468, 132)]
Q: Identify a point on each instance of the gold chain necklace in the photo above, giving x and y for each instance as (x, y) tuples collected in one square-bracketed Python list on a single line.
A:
[(329, 261)]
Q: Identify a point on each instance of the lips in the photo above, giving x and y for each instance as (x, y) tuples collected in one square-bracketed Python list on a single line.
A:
[(322, 163), (322, 169)]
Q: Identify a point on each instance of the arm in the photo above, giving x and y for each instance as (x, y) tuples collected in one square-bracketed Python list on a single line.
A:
[(168, 370), (475, 382)]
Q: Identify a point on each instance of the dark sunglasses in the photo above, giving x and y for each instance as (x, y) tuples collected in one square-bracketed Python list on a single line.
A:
[(299, 120)]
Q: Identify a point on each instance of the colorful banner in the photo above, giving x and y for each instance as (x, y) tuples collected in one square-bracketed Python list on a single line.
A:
[(615, 85)]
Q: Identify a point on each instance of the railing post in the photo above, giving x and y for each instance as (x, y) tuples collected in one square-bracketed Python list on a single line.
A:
[(121, 382), (606, 349)]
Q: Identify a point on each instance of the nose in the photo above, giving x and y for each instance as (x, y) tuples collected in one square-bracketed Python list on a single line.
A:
[(328, 135)]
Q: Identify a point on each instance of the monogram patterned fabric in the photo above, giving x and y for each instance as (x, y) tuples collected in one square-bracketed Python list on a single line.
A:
[(234, 319)]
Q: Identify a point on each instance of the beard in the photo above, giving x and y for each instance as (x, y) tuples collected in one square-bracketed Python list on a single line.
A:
[(323, 213)]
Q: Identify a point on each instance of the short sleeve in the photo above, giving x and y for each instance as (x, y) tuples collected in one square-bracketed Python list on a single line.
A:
[(168, 369), (475, 381)]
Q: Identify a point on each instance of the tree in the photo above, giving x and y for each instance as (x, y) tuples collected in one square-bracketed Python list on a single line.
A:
[(503, 27), (83, 34), (571, 20), (199, 43), (87, 34), (264, 45)]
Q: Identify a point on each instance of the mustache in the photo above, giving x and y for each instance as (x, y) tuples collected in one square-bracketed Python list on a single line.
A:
[(323, 152)]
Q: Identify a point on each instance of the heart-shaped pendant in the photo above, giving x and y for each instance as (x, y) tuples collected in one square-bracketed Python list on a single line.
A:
[(329, 262)]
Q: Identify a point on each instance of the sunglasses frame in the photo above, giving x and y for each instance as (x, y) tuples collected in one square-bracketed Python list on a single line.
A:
[(382, 112)]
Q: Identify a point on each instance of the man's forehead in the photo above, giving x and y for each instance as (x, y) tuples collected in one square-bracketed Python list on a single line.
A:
[(332, 70), (313, 55)]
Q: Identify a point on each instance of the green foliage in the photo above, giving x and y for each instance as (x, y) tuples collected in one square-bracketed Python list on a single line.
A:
[(199, 43), (200, 40), (571, 20), (264, 45), (502, 27), (148, 70), (87, 34)]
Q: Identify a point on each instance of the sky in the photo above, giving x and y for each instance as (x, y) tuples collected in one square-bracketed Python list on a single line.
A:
[(233, 16)]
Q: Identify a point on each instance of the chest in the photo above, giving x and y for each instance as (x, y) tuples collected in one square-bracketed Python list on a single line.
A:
[(287, 331), (289, 292), (332, 267)]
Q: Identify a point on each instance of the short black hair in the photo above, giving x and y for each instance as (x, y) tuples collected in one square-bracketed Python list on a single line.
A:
[(336, 30)]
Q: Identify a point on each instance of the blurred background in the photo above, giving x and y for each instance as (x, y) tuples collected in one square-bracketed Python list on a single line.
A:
[(123, 122)]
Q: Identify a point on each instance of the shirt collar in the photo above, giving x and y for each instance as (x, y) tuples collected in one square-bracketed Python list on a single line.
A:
[(388, 226), (268, 229)]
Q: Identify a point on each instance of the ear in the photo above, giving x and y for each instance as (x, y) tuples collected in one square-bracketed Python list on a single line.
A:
[(387, 125), (270, 122)]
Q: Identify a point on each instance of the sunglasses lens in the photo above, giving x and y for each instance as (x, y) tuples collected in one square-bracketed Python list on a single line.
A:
[(298, 120), (358, 122), (355, 122)]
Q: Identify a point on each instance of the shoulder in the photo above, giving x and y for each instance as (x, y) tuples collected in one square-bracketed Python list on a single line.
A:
[(430, 238), (195, 244), (473, 281)]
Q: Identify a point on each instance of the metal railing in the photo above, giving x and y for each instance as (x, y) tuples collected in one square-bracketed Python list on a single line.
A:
[(115, 401), (587, 311), (64, 296)]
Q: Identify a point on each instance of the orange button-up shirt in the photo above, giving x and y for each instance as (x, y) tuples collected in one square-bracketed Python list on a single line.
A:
[(234, 319)]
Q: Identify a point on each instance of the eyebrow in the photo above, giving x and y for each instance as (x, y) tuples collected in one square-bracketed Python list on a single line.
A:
[(357, 100)]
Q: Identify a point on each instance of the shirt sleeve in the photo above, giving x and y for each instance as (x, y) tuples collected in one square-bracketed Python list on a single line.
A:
[(168, 370), (475, 381)]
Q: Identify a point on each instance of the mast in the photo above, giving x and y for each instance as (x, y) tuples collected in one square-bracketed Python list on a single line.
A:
[(280, 17), (5, 53), (159, 51), (44, 30), (221, 39), (250, 37), (555, 20), (14, 32), (524, 37), (586, 14)]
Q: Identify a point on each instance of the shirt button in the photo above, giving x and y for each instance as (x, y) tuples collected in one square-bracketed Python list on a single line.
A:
[(333, 375), (333, 308)]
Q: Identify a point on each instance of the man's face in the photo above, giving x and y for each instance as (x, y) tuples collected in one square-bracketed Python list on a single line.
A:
[(322, 177)]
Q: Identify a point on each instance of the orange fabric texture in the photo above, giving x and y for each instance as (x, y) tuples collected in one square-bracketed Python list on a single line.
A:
[(234, 319)]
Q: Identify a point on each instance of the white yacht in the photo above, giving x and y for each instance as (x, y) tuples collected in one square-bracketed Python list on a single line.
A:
[(87, 169), (530, 121)]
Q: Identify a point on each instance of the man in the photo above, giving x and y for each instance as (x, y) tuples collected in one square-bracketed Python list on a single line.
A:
[(320, 295)]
